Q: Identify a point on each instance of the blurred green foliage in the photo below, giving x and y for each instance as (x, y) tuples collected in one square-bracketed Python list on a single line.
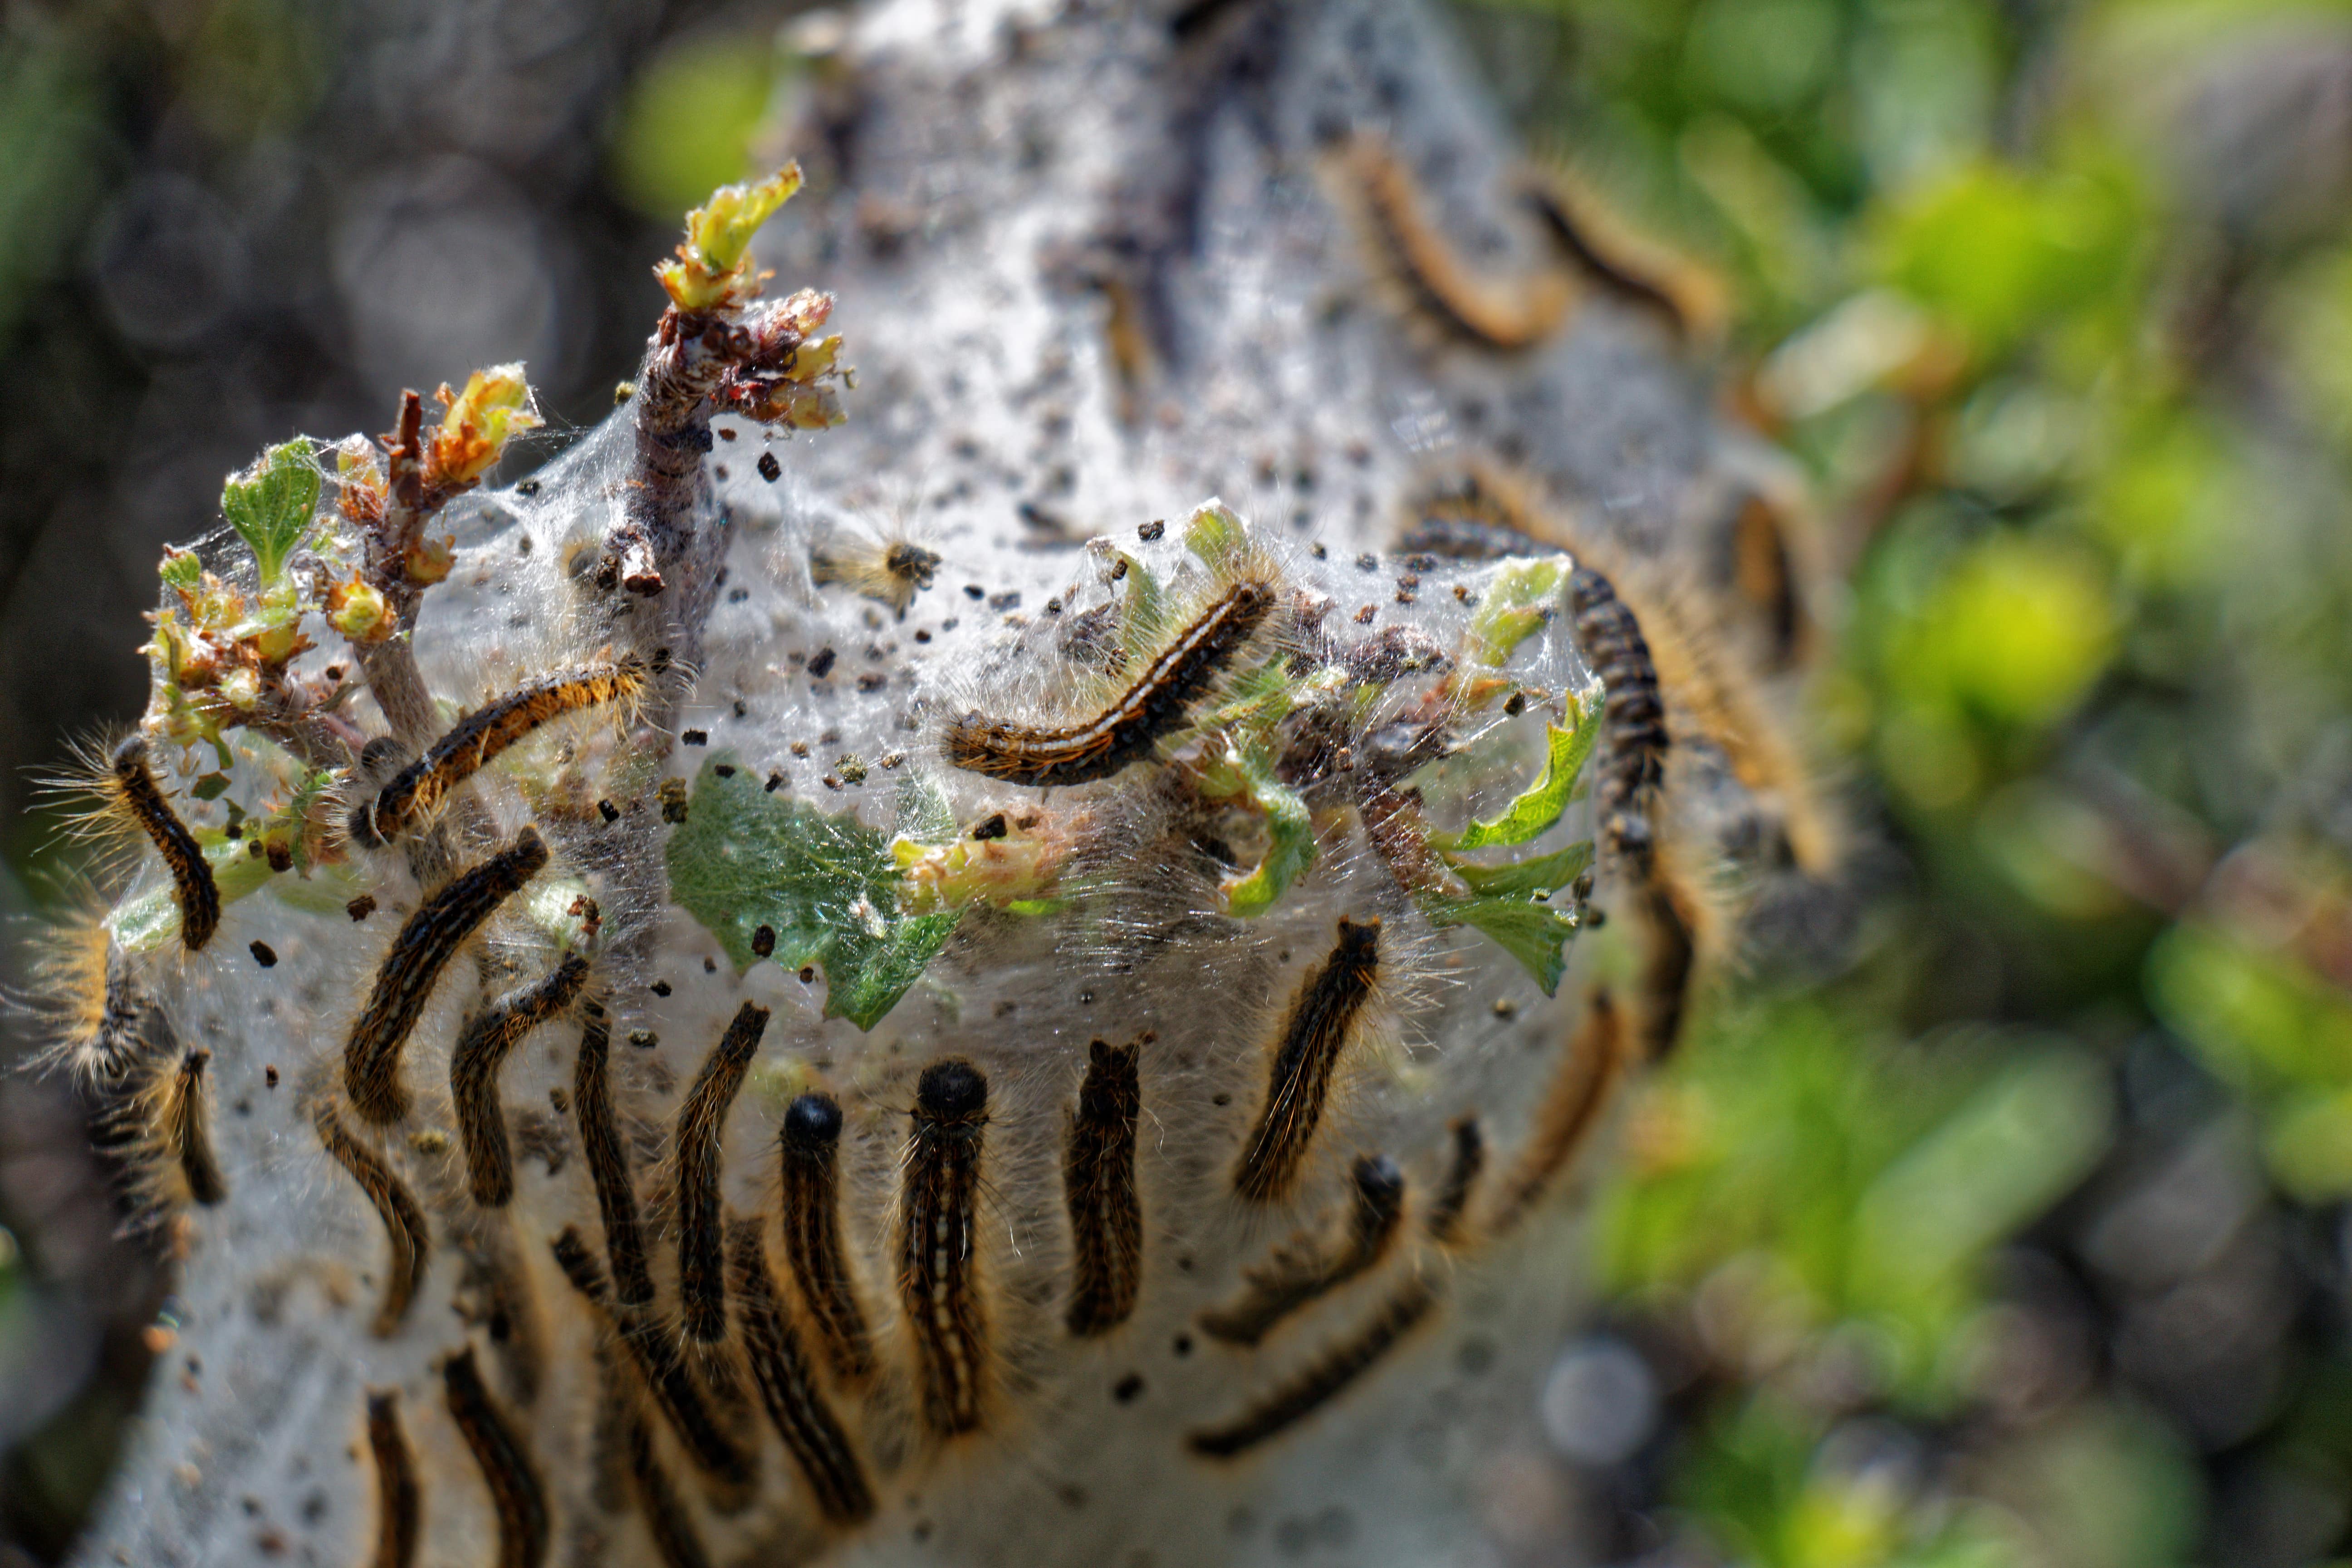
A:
[(2054, 302), (687, 124)]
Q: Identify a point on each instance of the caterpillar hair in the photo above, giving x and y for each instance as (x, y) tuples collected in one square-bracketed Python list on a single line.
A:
[(134, 785), (890, 569), (1571, 1108), (1671, 958), (1626, 783), (702, 1118), (1322, 1381), (1155, 706), (1765, 570), (676, 1542), (1413, 253), (813, 1253), (182, 1132), (1321, 1019), (788, 1387), (86, 999), (654, 1355), (404, 1221), (399, 1504), (938, 1285), (1445, 1220), (475, 741), (481, 1050), (608, 1161), (516, 1494), (1098, 1184), (1466, 538), (403, 983), (1302, 1273)]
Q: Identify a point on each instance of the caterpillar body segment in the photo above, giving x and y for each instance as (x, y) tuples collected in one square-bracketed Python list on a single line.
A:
[(413, 795), (1098, 1188), (1692, 301), (668, 1523), (404, 981), (395, 1204), (1304, 1272), (701, 1118), (607, 1159), (1323, 1379), (810, 1220), (1629, 777), (482, 1049), (789, 1390), (181, 1124), (938, 1263), (1158, 703), (132, 784), (1443, 1221), (517, 1493), (399, 1500), (1322, 1020)]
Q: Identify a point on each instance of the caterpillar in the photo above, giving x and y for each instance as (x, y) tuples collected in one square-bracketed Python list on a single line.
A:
[(1157, 705), (811, 1219), (399, 1504), (654, 1355), (701, 1117), (134, 785), (608, 1161), (181, 1130), (404, 1221), (516, 1492), (1415, 255), (890, 571), (1322, 1380), (676, 1542), (1691, 300), (431, 937), (795, 1406), (1629, 777), (1321, 1019), (481, 1049), (477, 740), (1301, 1274), (1098, 1185), (1570, 1107), (939, 1282), (1444, 1223)]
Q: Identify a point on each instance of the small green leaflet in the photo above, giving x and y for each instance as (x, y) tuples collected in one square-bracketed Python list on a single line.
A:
[(824, 884), (1534, 811), (271, 504), (1503, 905)]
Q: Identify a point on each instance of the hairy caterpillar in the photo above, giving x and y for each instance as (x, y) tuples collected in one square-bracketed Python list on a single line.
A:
[(1303, 1273), (608, 1161), (516, 1492), (1692, 301), (938, 1283), (1321, 1019), (795, 1406), (1098, 1185), (891, 571), (404, 1221), (811, 1220), (180, 1129), (431, 937), (1579, 1088), (1157, 705), (132, 786), (481, 1049), (477, 740), (1444, 1223), (701, 1117), (1322, 1380), (399, 1503), (671, 1527)]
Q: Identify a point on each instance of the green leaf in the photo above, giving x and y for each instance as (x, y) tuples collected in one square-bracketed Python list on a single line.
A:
[(1524, 594), (1534, 811), (825, 884), (1535, 934), (272, 503), (1546, 873), (1215, 534)]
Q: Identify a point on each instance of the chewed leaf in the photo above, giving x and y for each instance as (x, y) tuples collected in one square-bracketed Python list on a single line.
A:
[(1215, 534), (271, 505), (825, 886), (1535, 934), (1524, 594), (1546, 874), (1534, 811)]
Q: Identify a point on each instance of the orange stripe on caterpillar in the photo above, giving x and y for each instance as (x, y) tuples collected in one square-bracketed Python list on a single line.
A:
[(482, 1049), (608, 1161), (403, 983), (404, 1221), (702, 1118), (797, 1406), (1155, 706), (939, 1284), (192, 875)]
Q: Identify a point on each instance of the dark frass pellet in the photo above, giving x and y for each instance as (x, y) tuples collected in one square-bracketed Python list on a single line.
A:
[(643, 1039), (264, 954), (991, 828), (723, 771), (775, 782), (672, 795), (608, 811), (820, 663), (358, 909), (1152, 530), (770, 469), (763, 942), (694, 737), (660, 988)]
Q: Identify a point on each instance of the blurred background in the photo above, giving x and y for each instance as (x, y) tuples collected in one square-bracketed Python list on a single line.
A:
[(2012, 1234)]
